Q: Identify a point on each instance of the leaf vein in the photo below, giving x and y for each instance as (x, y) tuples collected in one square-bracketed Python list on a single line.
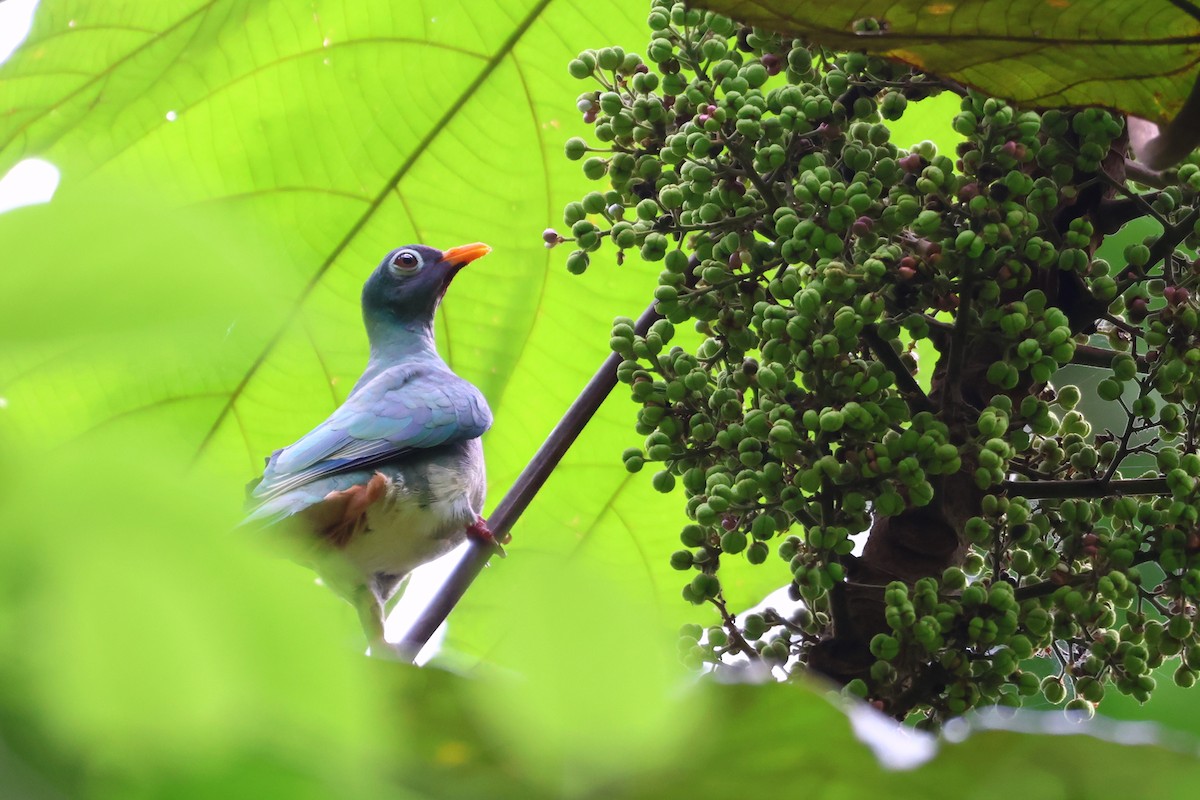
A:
[(451, 112)]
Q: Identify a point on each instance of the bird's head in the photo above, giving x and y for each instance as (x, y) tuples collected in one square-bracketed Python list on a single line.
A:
[(406, 287)]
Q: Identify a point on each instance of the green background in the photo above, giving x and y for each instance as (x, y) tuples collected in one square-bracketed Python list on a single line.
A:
[(231, 172)]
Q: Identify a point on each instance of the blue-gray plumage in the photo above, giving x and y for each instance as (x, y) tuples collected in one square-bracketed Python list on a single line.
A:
[(395, 477)]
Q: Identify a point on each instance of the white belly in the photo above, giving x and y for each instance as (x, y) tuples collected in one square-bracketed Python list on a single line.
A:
[(412, 525)]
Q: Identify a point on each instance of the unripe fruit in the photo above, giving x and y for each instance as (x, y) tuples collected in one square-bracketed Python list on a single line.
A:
[(733, 542), (884, 647), (1054, 690), (575, 148), (663, 481), (681, 560)]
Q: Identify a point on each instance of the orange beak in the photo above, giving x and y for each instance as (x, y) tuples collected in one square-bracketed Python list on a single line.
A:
[(465, 253)]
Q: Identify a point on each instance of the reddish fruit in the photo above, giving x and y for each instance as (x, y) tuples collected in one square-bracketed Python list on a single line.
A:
[(1015, 150), (912, 163)]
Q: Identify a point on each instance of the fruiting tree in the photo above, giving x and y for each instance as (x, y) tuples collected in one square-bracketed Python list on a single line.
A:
[(814, 257)]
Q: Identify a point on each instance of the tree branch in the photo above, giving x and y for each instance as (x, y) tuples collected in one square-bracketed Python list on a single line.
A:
[(1046, 588), (1092, 487), (1111, 215), (731, 627), (916, 396), (957, 354), (1171, 238), (1137, 171), (1088, 356), (519, 496)]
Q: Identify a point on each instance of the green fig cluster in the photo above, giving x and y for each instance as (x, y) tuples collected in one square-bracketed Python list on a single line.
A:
[(807, 263)]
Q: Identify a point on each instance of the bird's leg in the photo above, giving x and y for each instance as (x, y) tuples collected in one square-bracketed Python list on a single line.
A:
[(370, 615), (480, 532)]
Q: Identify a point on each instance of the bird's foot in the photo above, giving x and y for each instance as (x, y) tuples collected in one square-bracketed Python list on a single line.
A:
[(480, 532), (384, 650)]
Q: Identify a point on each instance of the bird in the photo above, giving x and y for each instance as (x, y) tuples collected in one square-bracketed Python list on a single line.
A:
[(395, 476)]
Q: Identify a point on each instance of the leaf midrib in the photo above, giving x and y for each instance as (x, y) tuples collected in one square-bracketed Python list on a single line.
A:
[(406, 166)]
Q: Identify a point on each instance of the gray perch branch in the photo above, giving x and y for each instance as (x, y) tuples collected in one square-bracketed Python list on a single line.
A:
[(519, 496)]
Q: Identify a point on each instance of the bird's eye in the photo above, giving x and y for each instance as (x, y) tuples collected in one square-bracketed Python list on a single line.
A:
[(407, 260)]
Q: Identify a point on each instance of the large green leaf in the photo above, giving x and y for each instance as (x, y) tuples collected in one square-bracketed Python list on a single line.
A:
[(1138, 56), (231, 172), (243, 165), (237, 169)]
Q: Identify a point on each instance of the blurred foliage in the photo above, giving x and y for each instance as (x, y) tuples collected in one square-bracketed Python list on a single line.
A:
[(189, 302)]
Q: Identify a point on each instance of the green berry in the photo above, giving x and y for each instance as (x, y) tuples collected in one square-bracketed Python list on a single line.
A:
[(733, 542), (663, 481), (757, 552), (578, 69), (884, 647), (681, 560), (577, 263), (575, 148)]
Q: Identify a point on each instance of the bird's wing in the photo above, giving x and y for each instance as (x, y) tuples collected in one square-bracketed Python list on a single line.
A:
[(404, 408)]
